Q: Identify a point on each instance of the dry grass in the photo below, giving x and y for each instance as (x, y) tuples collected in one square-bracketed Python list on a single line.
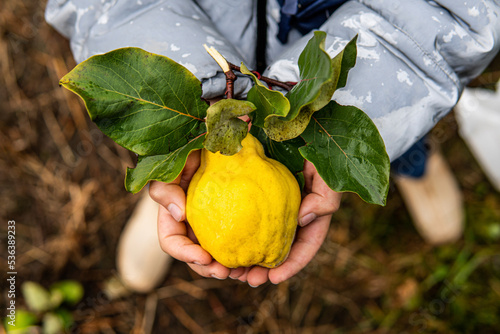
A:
[(62, 182)]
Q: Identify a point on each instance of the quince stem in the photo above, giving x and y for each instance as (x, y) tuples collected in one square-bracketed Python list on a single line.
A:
[(228, 72)]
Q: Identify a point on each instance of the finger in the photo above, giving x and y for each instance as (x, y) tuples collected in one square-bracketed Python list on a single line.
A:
[(315, 205), (243, 277), (174, 241), (257, 276), (306, 245), (191, 166), (237, 272), (171, 196), (214, 269), (320, 200)]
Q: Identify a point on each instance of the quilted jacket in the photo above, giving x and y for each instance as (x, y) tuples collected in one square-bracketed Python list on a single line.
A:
[(414, 56)]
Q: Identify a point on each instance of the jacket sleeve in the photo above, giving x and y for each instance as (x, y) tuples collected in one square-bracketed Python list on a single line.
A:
[(414, 59), (175, 28)]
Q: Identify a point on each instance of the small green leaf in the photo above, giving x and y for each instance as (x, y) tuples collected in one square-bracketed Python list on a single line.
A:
[(145, 102), (56, 298), (348, 60), (280, 129), (225, 130), (70, 290), (267, 102), (318, 80), (65, 316), (22, 320), (348, 152), (320, 76), (36, 296), (165, 167), (52, 324)]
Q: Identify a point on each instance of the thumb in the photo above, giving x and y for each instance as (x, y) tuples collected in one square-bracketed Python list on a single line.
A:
[(318, 204), (171, 196), (320, 199)]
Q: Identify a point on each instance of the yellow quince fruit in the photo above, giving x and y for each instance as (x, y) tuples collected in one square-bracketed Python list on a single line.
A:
[(243, 208)]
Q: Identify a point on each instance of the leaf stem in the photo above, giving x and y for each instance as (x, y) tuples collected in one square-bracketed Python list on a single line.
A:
[(228, 68), (269, 81)]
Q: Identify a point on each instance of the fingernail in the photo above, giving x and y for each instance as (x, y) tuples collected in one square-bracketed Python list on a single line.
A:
[(197, 263), (213, 275), (175, 211), (253, 286), (307, 219)]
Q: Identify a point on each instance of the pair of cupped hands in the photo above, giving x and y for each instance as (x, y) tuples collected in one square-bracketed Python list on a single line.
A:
[(177, 239)]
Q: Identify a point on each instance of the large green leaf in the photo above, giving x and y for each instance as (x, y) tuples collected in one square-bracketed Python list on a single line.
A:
[(268, 102), (348, 152), (164, 167), (145, 102), (225, 130), (319, 78)]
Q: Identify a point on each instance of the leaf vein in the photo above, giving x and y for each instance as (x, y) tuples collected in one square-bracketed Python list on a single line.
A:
[(340, 148), (119, 76), (142, 78)]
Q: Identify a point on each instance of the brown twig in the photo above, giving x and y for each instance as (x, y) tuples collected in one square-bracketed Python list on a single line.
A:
[(228, 68), (269, 81), (230, 78)]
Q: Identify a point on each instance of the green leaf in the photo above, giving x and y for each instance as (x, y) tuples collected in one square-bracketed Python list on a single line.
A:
[(164, 167), (52, 324), (301, 180), (225, 130), (65, 316), (320, 76), (145, 102), (70, 290), (267, 102), (36, 296), (348, 152), (318, 80), (348, 60), (22, 320)]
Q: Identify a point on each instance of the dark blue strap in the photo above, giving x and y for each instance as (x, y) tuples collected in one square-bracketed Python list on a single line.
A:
[(304, 15)]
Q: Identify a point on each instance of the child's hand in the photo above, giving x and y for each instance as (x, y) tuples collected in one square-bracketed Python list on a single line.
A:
[(178, 240), (176, 237)]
